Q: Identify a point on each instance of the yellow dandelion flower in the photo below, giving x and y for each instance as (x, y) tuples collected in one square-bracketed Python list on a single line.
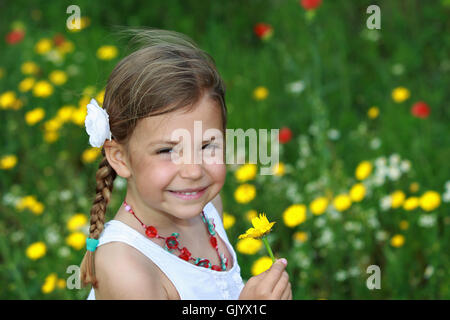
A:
[(245, 193), (53, 124), (261, 265), (51, 136), (49, 283), (58, 77), (66, 47), (300, 236), (250, 214), (84, 23), (249, 246), (404, 225), (36, 250), (26, 202), (29, 68), (414, 187), (37, 208), (43, 46), (411, 203), (8, 162), (261, 227), (107, 52), (260, 93), (373, 112), (228, 220), (246, 172), (342, 202), (100, 96), (294, 215), (430, 200), (26, 84), (279, 169), (34, 116), (77, 221), (319, 205), (7, 99), (397, 241), (65, 113), (400, 94), (357, 192), (42, 89), (90, 155), (397, 199), (61, 283), (363, 170), (76, 240)]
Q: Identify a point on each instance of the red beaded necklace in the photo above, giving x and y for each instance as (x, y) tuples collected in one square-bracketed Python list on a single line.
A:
[(171, 243)]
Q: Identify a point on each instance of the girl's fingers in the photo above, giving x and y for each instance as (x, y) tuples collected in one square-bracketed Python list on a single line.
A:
[(281, 286), (287, 294)]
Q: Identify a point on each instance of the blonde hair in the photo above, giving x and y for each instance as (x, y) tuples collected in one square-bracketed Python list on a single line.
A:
[(167, 72)]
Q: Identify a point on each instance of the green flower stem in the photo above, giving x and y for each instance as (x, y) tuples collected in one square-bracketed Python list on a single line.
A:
[(266, 243)]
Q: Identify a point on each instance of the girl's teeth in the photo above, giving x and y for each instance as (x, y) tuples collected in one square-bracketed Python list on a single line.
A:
[(188, 193)]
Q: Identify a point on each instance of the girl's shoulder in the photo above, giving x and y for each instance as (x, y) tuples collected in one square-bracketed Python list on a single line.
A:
[(124, 273)]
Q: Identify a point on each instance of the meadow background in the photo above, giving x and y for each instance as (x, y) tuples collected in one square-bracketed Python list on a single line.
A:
[(363, 114)]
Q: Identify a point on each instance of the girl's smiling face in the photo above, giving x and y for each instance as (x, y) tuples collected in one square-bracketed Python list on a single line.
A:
[(155, 170)]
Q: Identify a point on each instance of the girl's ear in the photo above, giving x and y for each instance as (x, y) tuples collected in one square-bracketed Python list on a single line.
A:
[(116, 156)]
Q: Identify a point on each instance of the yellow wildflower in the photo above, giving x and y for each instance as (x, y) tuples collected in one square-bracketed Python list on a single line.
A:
[(261, 265), (228, 220), (51, 136), (414, 187), (294, 215), (319, 205), (400, 94), (53, 124), (76, 240), (26, 202), (61, 283), (58, 77), (404, 225), (26, 84), (261, 227), (65, 113), (89, 155), (397, 241), (37, 208), (36, 250), (34, 116), (49, 283), (279, 169), (373, 112), (363, 170), (260, 93), (8, 162), (77, 221), (342, 202), (43, 46), (248, 245), (66, 47), (250, 214), (79, 115), (100, 96), (245, 193), (29, 67), (397, 199), (42, 89), (107, 52), (411, 203), (7, 99), (430, 200), (300, 236), (246, 172), (357, 192)]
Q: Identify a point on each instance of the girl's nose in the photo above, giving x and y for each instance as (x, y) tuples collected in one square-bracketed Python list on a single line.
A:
[(191, 171)]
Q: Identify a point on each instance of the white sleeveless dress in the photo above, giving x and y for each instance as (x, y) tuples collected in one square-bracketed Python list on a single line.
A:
[(192, 282)]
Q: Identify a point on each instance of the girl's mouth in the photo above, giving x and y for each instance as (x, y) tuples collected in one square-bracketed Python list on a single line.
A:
[(189, 195)]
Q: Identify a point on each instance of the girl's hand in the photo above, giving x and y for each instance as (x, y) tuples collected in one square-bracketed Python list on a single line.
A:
[(272, 284)]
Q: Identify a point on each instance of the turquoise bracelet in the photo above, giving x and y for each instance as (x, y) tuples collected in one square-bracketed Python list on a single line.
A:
[(91, 244)]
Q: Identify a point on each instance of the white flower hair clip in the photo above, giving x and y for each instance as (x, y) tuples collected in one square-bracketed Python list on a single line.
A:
[(97, 124)]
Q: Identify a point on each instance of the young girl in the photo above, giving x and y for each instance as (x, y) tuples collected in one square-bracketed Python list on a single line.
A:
[(167, 240)]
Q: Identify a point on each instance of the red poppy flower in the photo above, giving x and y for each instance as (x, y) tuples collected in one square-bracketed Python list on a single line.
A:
[(263, 30), (15, 36), (285, 135), (420, 110), (310, 4)]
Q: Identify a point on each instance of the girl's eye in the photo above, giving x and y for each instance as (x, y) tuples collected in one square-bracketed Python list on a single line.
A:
[(166, 150)]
